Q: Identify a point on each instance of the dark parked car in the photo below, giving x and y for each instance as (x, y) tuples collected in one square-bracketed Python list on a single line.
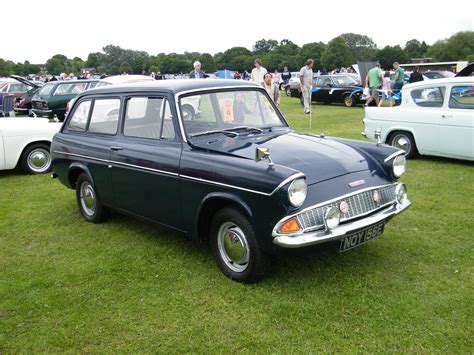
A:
[(235, 175), (22, 103), (334, 88), (53, 97)]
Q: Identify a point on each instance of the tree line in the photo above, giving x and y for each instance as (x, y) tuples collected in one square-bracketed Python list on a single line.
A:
[(341, 51)]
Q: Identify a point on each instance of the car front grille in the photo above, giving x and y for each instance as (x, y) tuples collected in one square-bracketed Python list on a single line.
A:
[(358, 204)]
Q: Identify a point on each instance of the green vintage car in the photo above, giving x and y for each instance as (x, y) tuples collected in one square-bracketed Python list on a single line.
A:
[(53, 97)]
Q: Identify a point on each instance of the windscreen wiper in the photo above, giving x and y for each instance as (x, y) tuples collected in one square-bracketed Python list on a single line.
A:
[(244, 128), (223, 131)]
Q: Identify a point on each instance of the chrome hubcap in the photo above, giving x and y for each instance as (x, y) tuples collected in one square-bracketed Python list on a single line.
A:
[(401, 142), (233, 247), (39, 160), (87, 197)]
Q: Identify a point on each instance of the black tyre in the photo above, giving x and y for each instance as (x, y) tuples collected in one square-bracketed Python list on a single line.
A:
[(188, 112), (36, 159), (235, 248), (288, 92), (88, 201), (61, 117), (404, 141), (349, 101)]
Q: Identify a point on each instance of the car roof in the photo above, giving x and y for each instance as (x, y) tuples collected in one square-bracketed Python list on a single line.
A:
[(57, 82), (431, 82), (174, 86), (120, 79)]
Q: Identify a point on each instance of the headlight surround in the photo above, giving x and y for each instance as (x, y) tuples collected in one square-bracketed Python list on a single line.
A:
[(400, 193), (297, 192), (399, 165), (332, 217)]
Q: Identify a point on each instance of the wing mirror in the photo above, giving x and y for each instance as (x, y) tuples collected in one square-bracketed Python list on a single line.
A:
[(262, 153)]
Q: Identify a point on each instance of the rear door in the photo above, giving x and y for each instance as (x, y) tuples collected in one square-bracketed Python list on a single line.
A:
[(456, 125), (145, 161)]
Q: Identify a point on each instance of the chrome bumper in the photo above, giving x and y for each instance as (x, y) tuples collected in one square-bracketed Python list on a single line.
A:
[(42, 112), (323, 236)]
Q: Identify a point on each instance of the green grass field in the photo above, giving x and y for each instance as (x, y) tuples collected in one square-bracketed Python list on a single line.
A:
[(125, 286)]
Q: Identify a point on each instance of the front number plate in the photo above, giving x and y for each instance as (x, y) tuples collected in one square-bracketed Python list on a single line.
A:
[(361, 237)]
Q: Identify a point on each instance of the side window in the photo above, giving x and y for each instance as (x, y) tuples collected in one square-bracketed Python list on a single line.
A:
[(429, 96), (148, 117), (462, 97), (78, 121), (105, 115), (17, 88)]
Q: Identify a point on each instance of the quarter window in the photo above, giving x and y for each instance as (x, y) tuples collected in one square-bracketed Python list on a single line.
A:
[(462, 97), (429, 96), (148, 117), (70, 89), (104, 118), (78, 121)]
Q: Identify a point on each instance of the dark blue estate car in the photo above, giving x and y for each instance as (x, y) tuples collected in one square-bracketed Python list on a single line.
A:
[(232, 173)]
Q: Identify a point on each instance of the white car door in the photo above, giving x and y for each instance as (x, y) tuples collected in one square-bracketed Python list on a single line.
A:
[(456, 127), (2, 153)]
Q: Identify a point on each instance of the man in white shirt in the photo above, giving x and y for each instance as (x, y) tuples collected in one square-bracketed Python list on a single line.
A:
[(258, 72), (306, 80)]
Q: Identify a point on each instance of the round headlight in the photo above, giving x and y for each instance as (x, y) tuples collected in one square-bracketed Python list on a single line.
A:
[(400, 193), (297, 192), (399, 165), (332, 217)]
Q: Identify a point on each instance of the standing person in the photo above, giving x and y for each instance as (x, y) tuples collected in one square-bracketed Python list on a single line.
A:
[(416, 76), (386, 90), (399, 76), (271, 88), (286, 75), (197, 73), (258, 72), (237, 75), (373, 80), (306, 80), (276, 78)]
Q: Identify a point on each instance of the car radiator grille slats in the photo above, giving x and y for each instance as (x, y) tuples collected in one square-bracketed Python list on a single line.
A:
[(359, 204)]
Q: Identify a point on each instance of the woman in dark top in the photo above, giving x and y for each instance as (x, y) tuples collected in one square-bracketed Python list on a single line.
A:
[(415, 76)]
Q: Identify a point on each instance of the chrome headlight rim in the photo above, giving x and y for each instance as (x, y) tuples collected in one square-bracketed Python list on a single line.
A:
[(297, 192), (399, 165), (332, 218)]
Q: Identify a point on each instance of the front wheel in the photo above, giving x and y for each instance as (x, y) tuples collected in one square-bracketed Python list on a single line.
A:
[(349, 101), (404, 141), (36, 159), (88, 201), (235, 248)]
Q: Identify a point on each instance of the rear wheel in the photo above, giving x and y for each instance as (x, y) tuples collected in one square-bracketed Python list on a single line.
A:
[(235, 248), (88, 201), (36, 159), (61, 117), (188, 112), (404, 141)]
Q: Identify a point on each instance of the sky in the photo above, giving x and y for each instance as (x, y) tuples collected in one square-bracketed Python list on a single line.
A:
[(77, 28)]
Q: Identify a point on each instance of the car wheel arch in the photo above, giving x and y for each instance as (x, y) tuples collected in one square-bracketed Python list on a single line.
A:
[(209, 207), (28, 145), (75, 169), (408, 132)]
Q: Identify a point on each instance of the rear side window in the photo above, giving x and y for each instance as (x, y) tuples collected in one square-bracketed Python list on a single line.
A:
[(105, 115), (70, 89), (78, 121), (462, 97), (148, 117), (429, 96), (46, 90)]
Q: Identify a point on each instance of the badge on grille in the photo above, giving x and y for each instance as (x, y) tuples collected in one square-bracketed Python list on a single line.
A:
[(376, 197), (356, 183), (344, 207)]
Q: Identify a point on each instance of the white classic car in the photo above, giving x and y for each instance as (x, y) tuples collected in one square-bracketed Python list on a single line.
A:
[(25, 141), (436, 117)]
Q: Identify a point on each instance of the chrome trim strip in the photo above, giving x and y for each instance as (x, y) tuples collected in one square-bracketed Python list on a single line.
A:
[(391, 156), (291, 178), (341, 231), (119, 163), (275, 233)]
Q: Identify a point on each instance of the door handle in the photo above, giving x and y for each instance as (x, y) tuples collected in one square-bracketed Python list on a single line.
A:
[(447, 116), (116, 148)]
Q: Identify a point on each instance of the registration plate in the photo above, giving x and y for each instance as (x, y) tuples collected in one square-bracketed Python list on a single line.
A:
[(361, 237)]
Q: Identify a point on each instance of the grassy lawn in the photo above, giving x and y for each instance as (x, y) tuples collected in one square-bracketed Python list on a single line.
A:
[(68, 285)]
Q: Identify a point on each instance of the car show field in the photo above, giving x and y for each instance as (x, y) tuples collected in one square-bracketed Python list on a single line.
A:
[(125, 285)]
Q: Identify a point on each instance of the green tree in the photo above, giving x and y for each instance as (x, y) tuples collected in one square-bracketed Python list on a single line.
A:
[(312, 50), (241, 63), (458, 47), (264, 46), (388, 55), (207, 63), (362, 47), (125, 67), (413, 49), (57, 64), (337, 54), (226, 60)]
